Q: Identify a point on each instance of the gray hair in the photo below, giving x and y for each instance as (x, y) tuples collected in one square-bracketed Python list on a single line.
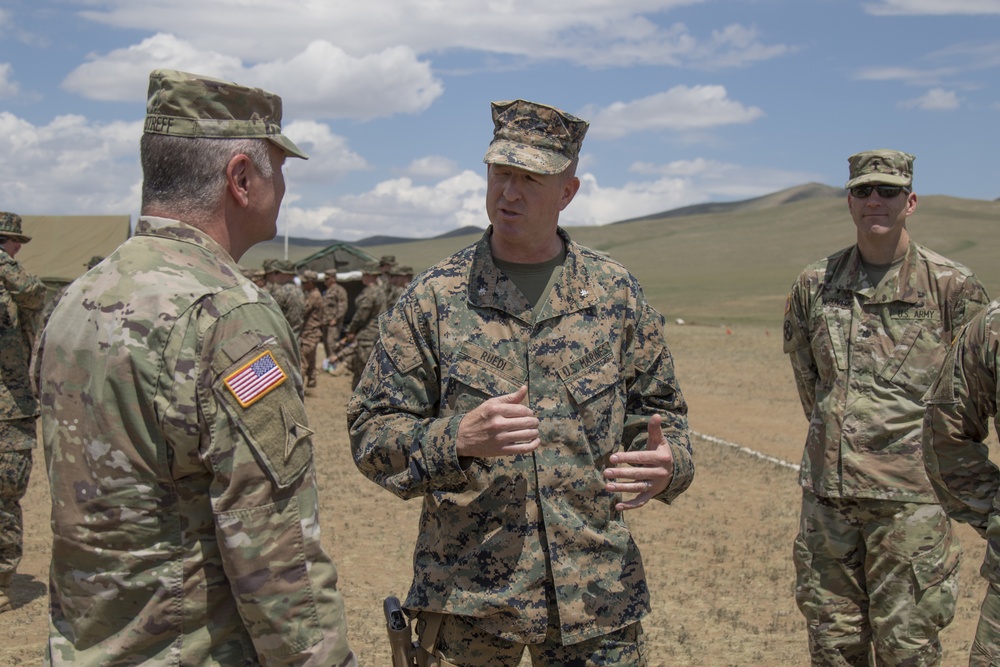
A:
[(187, 175)]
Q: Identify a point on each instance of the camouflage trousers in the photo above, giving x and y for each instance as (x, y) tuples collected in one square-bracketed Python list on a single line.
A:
[(875, 574), (986, 646), (16, 439), (307, 347), (458, 643), (362, 351)]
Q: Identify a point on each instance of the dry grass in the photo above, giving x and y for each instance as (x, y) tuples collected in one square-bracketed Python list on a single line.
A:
[(718, 561)]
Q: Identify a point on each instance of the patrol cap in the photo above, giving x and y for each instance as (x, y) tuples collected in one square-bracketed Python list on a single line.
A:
[(279, 266), (534, 137), (372, 268), (401, 270), (387, 259), (180, 104), (10, 227), (883, 166), (309, 276)]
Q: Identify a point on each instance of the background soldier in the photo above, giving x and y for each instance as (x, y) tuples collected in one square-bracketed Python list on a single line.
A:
[(21, 299), (184, 503), (866, 330), (335, 308), (362, 330), (400, 277), (520, 388), (959, 408), (279, 275), (312, 325)]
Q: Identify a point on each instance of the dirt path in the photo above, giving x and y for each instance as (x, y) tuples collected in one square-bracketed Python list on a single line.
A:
[(718, 560)]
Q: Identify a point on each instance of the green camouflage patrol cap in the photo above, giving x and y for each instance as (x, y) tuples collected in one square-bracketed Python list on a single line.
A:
[(372, 268), (534, 137), (180, 104), (387, 259), (10, 227), (883, 166), (401, 270)]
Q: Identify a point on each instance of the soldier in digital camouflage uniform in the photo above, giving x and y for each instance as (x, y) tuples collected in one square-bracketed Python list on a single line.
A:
[(956, 424), (335, 308), (362, 330), (280, 284), (524, 390), (21, 298), (184, 502), (312, 325), (399, 277), (866, 330)]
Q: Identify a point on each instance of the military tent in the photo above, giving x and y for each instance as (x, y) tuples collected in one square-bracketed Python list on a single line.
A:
[(61, 245)]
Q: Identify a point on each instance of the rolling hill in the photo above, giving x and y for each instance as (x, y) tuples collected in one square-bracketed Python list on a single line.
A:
[(732, 263)]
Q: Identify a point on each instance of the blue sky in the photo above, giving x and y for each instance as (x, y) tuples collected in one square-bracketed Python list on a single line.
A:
[(689, 100)]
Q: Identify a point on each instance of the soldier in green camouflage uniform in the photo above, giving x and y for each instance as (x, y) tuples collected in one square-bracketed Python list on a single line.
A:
[(312, 325), (960, 405), (21, 298), (520, 388), (866, 330), (362, 330), (280, 276), (184, 500)]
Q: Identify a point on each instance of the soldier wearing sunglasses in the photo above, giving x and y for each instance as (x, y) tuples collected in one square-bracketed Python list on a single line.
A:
[(867, 330)]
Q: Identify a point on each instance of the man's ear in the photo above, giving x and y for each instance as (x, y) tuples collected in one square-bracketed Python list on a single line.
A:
[(238, 179)]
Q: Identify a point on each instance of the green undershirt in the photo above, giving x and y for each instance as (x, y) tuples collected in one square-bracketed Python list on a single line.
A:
[(534, 280)]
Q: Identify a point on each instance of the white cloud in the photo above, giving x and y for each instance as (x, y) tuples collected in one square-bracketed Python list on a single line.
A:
[(431, 167), (70, 165), (680, 108), (936, 99), (321, 81), (330, 158), (933, 7), (396, 207), (591, 32), (8, 87)]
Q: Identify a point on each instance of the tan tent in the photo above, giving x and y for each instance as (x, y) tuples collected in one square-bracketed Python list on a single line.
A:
[(61, 245)]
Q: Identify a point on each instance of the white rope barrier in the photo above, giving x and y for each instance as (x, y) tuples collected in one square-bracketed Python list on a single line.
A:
[(747, 450)]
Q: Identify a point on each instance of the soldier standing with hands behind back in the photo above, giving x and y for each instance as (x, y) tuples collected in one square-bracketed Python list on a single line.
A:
[(21, 299), (866, 330), (524, 390), (185, 513)]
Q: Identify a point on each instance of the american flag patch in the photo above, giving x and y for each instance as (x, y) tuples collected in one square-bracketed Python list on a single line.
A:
[(256, 379)]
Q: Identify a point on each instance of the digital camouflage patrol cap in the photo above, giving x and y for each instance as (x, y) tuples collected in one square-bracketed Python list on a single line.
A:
[(10, 227), (884, 166), (534, 137), (180, 104)]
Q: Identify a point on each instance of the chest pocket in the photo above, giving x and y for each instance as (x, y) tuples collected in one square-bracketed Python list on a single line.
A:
[(829, 343), (916, 359), (591, 382), (476, 375)]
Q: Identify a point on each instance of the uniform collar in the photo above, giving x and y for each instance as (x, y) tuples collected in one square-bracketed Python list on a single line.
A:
[(901, 286), (489, 287)]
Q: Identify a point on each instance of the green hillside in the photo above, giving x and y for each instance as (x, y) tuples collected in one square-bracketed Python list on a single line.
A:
[(735, 267)]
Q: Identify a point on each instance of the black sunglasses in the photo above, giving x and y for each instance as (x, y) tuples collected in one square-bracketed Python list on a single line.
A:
[(884, 191)]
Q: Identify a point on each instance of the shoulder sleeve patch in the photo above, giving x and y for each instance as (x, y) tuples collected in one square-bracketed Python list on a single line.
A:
[(256, 379)]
